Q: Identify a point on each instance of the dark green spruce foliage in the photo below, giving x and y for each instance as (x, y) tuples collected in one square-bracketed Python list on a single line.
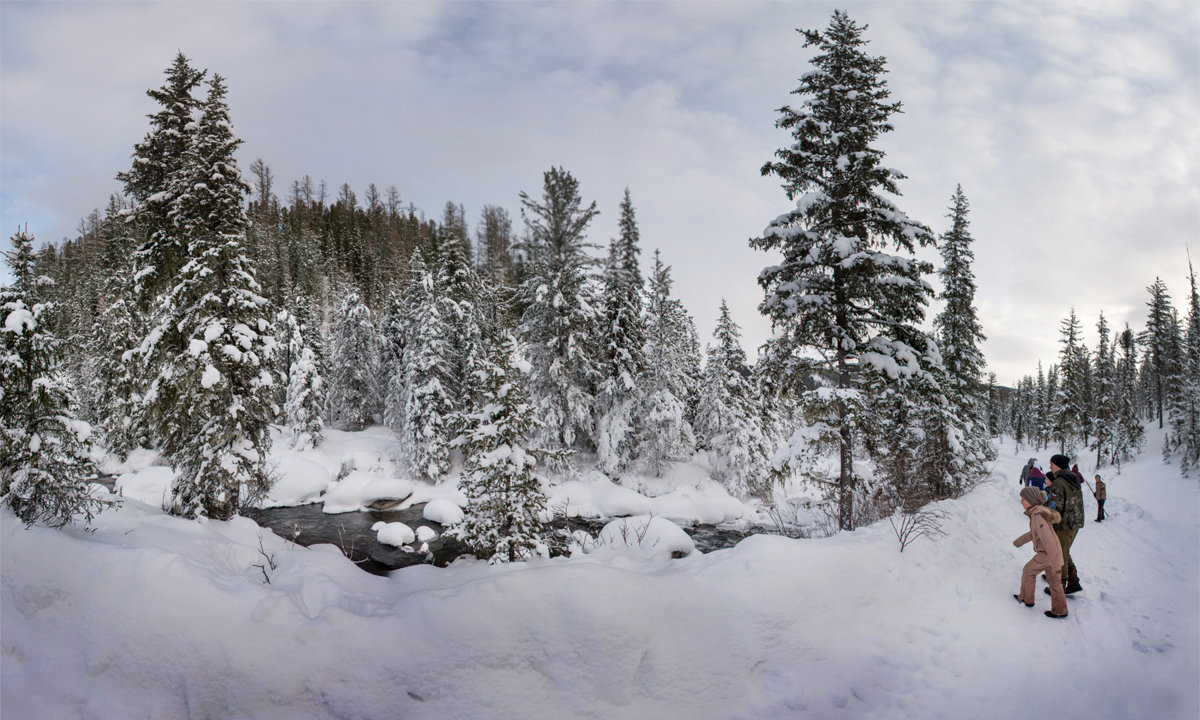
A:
[(153, 180), (837, 293), (505, 503), (959, 336), (44, 451), (1183, 410), (559, 311), (212, 399), (623, 338)]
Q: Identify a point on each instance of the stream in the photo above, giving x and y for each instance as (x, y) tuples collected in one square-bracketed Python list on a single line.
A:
[(351, 532)]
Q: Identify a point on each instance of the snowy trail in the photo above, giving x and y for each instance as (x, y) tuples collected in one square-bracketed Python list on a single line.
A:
[(151, 616)]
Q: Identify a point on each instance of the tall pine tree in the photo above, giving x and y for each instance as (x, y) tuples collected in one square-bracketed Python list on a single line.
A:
[(213, 401), (559, 311), (623, 338), (838, 294)]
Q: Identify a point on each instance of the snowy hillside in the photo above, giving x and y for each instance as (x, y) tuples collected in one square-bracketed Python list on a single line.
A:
[(153, 616)]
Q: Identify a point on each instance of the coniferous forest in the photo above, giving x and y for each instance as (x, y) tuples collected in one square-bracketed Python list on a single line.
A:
[(230, 394), (206, 304)]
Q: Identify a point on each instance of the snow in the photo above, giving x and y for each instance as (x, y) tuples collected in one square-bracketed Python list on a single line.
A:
[(396, 534), (210, 377), (300, 480), (19, 320), (443, 511), (646, 535), (148, 615)]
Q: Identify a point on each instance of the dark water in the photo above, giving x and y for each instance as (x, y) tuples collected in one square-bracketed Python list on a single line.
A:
[(310, 525)]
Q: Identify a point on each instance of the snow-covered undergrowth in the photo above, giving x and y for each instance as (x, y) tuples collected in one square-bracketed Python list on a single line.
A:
[(153, 616)]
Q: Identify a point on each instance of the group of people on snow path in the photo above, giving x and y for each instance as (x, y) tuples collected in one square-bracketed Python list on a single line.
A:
[(1054, 504)]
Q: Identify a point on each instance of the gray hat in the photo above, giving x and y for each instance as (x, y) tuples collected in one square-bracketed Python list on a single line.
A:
[(1033, 496)]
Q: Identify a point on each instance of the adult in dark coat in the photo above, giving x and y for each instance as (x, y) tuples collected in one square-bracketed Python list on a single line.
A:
[(1066, 498)]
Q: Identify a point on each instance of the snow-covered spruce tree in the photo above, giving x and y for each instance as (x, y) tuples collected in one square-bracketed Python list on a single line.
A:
[(1184, 408), (304, 398), (44, 451), (1103, 410), (212, 402), (116, 333), (994, 413), (1020, 411), (1069, 411), (427, 408), (1159, 340), (665, 433), (959, 336), (502, 520), (465, 301), (392, 328), (558, 311), (837, 295), (910, 431), (353, 378), (623, 339), (152, 180), (1129, 433), (729, 415)]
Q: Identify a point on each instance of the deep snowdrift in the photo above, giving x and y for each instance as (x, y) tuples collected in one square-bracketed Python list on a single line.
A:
[(156, 617)]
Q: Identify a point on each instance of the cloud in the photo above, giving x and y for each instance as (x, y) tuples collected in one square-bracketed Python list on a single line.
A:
[(1071, 126)]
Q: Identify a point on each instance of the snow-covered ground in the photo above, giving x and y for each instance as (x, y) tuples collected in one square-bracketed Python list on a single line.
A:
[(150, 616)]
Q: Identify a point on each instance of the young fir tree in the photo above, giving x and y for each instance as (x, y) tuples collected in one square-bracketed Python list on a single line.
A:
[(623, 337), (304, 396), (729, 417), (1158, 339), (1103, 408), (115, 335), (153, 179), (1129, 433), (465, 300), (353, 393), (45, 462), (392, 329), (665, 434), (427, 367), (837, 293), (503, 517), (1184, 409), (559, 317), (959, 335), (994, 414), (213, 402), (1041, 409), (1069, 411)]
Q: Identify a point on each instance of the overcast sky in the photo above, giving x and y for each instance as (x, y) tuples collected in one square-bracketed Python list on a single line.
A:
[(1074, 128)]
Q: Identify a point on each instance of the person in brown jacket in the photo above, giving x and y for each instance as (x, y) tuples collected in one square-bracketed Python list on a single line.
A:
[(1047, 557), (1101, 494)]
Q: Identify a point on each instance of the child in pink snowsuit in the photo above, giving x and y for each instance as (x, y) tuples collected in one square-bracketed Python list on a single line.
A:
[(1048, 556)]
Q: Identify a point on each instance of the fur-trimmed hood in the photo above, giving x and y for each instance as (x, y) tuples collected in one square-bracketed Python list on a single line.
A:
[(1049, 513)]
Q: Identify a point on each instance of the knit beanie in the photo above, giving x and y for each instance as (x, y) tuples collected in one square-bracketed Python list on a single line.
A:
[(1061, 461), (1033, 496)]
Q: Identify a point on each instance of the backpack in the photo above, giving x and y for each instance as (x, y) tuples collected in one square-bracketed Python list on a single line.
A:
[(1070, 507)]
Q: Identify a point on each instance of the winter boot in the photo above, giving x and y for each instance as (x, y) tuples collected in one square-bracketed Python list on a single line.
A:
[(1018, 599), (1072, 588), (1049, 614)]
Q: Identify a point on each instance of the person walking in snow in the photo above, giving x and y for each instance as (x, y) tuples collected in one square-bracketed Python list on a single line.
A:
[(1100, 493), (1047, 553), (1024, 481), (1036, 477), (1066, 498)]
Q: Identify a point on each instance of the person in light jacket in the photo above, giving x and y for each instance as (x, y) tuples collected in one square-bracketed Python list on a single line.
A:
[(1047, 553), (1101, 494)]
